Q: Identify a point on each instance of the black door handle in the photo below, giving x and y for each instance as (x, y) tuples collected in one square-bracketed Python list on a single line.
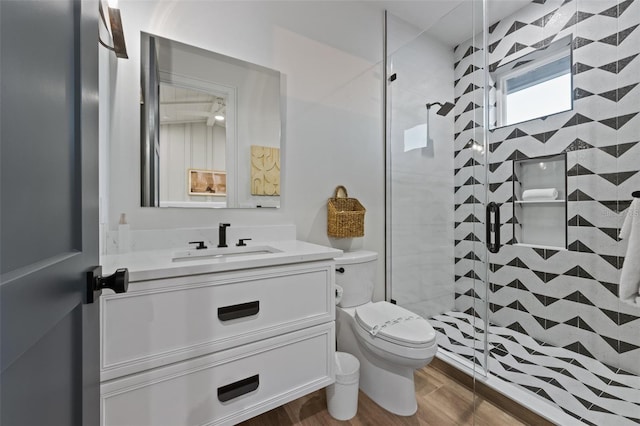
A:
[(239, 388), (118, 282), (493, 227)]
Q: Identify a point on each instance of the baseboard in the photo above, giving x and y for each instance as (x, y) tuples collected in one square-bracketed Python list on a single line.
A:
[(506, 404)]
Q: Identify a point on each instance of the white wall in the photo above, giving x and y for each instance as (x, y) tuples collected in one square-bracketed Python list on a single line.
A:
[(189, 146), (330, 55), (422, 206)]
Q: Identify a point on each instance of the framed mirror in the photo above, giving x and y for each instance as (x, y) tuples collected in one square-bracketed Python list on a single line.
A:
[(210, 128), (535, 85)]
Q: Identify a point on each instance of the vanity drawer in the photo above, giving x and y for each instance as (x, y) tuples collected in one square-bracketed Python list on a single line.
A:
[(171, 320), (226, 387)]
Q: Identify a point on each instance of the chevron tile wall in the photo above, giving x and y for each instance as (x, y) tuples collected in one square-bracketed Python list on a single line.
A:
[(567, 298), (580, 386)]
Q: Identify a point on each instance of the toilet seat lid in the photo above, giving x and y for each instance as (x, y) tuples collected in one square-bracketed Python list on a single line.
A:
[(395, 324)]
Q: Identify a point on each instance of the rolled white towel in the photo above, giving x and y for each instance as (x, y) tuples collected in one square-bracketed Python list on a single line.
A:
[(540, 194), (630, 275)]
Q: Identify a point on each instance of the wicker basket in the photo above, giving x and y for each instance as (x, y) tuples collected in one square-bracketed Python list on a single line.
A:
[(345, 216)]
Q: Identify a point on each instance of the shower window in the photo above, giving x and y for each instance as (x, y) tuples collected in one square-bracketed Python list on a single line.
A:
[(536, 85)]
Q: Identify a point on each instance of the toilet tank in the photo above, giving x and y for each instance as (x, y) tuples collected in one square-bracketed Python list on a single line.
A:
[(358, 278)]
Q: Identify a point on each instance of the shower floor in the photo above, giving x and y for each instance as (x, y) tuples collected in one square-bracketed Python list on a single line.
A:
[(582, 387)]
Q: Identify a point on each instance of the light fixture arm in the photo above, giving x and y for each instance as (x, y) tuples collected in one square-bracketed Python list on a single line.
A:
[(117, 34)]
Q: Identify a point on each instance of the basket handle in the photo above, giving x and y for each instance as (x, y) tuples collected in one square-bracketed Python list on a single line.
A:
[(337, 191)]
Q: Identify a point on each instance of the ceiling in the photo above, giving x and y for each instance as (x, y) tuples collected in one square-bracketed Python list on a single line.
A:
[(180, 106), (450, 21)]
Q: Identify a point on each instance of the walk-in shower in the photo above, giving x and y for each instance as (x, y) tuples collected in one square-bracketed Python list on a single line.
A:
[(541, 320)]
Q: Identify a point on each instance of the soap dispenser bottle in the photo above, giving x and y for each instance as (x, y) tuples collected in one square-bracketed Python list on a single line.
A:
[(124, 239)]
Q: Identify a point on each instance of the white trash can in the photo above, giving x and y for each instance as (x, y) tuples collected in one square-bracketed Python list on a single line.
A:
[(342, 396)]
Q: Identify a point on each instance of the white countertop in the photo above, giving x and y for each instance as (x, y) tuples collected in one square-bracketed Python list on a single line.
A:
[(155, 264)]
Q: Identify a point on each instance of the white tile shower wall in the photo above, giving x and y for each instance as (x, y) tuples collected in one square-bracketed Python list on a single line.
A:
[(421, 199), (567, 298)]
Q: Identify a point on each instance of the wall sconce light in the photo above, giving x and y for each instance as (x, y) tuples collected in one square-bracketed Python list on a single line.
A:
[(116, 33)]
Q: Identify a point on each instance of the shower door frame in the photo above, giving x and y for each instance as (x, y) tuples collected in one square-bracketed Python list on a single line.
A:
[(482, 176)]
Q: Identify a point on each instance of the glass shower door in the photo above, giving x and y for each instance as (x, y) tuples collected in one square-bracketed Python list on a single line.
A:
[(435, 184)]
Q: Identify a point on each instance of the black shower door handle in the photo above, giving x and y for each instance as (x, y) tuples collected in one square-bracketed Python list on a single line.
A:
[(492, 223)]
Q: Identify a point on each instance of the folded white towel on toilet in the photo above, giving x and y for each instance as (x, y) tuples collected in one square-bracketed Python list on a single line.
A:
[(540, 194), (630, 277)]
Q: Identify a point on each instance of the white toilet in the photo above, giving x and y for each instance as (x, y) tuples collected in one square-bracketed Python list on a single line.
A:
[(389, 341)]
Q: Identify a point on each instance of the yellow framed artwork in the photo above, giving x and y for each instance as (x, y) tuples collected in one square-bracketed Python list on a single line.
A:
[(265, 170)]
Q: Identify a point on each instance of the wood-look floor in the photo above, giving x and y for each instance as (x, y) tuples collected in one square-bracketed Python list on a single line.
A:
[(441, 402)]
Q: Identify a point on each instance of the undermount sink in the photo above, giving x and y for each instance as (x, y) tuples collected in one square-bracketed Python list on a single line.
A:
[(220, 253)]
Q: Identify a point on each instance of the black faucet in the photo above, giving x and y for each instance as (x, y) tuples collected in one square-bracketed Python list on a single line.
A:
[(222, 234)]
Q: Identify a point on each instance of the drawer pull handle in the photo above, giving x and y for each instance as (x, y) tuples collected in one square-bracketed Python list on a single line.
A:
[(239, 388), (242, 310)]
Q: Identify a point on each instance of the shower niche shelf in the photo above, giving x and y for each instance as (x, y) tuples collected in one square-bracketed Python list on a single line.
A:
[(540, 202)]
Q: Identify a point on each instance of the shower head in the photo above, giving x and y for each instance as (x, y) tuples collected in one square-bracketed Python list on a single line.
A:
[(444, 108)]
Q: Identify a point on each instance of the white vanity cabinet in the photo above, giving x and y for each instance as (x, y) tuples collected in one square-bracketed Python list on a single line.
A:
[(216, 348)]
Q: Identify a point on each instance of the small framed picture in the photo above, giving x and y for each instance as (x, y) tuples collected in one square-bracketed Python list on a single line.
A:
[(207, 182)]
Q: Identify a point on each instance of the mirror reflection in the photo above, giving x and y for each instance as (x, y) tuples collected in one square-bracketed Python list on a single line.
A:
[(210, 130), (193, 138)]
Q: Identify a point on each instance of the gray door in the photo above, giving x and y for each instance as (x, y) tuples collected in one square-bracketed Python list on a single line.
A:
[(49, 212)]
